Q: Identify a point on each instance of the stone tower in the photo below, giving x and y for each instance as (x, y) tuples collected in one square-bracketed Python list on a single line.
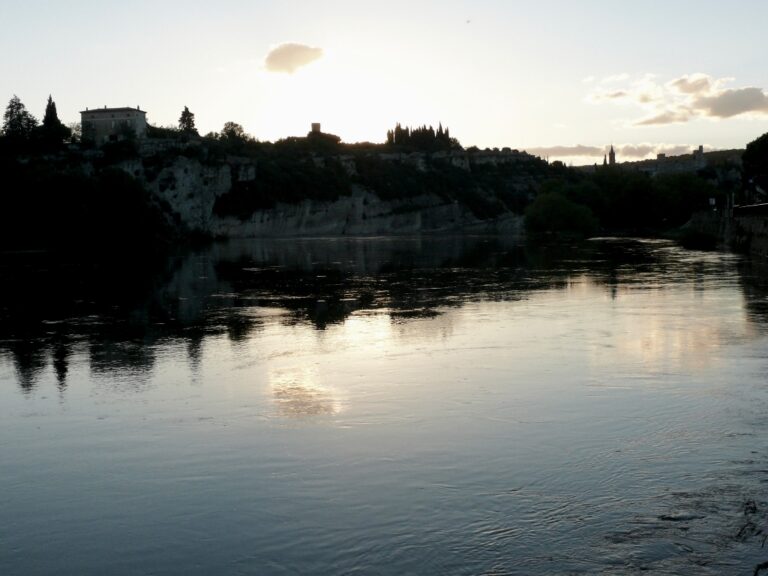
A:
[(611, 156)]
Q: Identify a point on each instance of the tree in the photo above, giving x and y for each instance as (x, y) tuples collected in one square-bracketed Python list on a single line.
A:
[(54, 132), (18, 123), (423, 138), (187, 122), (233, 131), (552, 214), (755, 163), (75, 131)]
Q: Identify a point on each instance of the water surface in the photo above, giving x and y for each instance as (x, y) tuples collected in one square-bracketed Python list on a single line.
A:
[(409, 406)]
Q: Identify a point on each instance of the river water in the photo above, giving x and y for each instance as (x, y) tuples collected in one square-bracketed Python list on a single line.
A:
[(453, 405)]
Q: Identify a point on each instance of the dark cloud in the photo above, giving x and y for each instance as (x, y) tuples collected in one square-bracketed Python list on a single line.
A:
[(733, 102), (290, 56)]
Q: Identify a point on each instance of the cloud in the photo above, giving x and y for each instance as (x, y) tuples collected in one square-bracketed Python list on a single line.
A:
[(562, 151), (641, 151), (693, 84), (289, 57), (730, 103), (666, 117), (625, 152), (682, 99)]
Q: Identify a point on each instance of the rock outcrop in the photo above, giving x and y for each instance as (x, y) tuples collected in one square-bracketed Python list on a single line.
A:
[(189, 188)]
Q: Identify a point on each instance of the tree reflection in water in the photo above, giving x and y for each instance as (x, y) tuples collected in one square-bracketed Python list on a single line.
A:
[(120, 312)]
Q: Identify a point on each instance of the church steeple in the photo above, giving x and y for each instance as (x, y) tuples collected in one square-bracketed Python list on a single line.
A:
[(612, 156)]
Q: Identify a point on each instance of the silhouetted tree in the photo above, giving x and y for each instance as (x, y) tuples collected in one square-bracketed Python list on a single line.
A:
[(53, 131), (755, 163), (18, 123), (187, 122), (552, 214), (424, 138), (233, 131)]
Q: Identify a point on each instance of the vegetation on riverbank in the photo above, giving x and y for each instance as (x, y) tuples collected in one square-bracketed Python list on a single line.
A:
[(61, 191), (618, 201)]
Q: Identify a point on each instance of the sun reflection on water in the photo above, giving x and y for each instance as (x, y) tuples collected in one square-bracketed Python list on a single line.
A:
[(297, 393)]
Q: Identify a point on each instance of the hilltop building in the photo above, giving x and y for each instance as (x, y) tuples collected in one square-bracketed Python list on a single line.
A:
[(609, 158), (102, 125)]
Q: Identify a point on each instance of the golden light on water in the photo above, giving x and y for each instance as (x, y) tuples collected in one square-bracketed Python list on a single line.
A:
[(296, 393)]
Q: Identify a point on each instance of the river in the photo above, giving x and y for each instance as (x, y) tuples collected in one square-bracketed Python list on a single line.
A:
[(440, 405)]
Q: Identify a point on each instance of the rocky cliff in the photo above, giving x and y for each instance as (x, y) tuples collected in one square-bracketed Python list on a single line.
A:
[(189, 188)]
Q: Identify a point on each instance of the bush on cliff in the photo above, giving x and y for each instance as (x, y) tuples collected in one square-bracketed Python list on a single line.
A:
[(554, 215), (286, 180)]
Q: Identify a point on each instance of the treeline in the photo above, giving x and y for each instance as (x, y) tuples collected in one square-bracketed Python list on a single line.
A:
[(422, 139), (22, 133), (612, 200)]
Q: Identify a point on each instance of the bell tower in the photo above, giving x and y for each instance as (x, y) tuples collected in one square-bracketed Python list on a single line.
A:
[(611, 156)]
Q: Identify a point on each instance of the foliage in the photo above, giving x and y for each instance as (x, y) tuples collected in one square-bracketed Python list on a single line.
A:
[(423, 138), (633, 202), (54, 133), (755, 167), (56, 205), (552, 214), (398, 181), (163, 132), (313, 143), (187, 122), (287, 180), (75, 132), (119, 151), (233, 131), (18, 123)]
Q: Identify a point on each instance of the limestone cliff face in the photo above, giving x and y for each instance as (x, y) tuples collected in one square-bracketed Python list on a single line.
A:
[(190, 188), (363, 214)]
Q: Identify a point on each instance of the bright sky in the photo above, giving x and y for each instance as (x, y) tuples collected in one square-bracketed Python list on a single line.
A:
[(539, 75)]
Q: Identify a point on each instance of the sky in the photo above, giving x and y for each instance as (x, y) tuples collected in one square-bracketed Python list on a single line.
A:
[(558, 78)]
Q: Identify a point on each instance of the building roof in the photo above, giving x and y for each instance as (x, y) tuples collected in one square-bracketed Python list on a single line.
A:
[(111, 110)]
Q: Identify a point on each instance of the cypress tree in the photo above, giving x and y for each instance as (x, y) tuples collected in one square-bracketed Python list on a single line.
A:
[(54, 132)]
